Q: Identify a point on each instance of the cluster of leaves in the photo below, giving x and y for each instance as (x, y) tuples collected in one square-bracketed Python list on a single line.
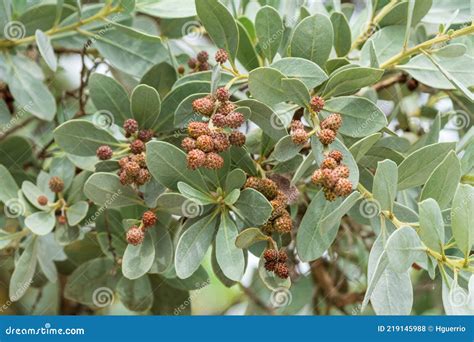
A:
[(386, 70)]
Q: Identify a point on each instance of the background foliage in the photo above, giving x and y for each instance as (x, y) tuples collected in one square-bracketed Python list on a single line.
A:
[(399, 73)]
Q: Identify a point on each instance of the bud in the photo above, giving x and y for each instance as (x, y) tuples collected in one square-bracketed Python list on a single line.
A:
[(130, 126), (104, 152), (135, 236), (221, 56), (56, 184), (42, 200), (148, 218), (317, 103)]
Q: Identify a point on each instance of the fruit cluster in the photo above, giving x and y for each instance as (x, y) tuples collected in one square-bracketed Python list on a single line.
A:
[(275, 261), (297, 133), (329, 128), (133, 169), (280, 219), (136, 234), (200, 63), (333, 176), (206, 139)]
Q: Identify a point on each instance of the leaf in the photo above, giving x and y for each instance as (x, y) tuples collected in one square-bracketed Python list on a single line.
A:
[(219, 24), (252, 207), (129, 50), (403, 248), (196, 195), (46, 50), (137, 260), (306, 71), (269, 29), (342, 33), (312, 39), (184, 113), (361, 147), (193, 245), (32, 192), (105, 189), (76, 212), (265, 85), (167, 8), (334, 218), (360, 116), (229, 257), (108, 95), (235, 180), (305, 165), (246, 54), (137, 294), (82, 138), (41, 222), (164, 249), (178, 94), (443, 181), (161, 77), (29, 91), (296, 91), (423, 70), (24, 271), (285, 149), (462, 216), (311, 241), (387, 42), (249, 236), (232, 197), (385, 184), (145, 106), (431, 225), (348, 81), (8, 185), (417, 167), (265, 118), (93, 282), (168, 166), (391, 293)]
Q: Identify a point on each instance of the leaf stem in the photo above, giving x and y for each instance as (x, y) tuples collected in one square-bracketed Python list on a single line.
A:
[(103, 13), (426, 45)]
